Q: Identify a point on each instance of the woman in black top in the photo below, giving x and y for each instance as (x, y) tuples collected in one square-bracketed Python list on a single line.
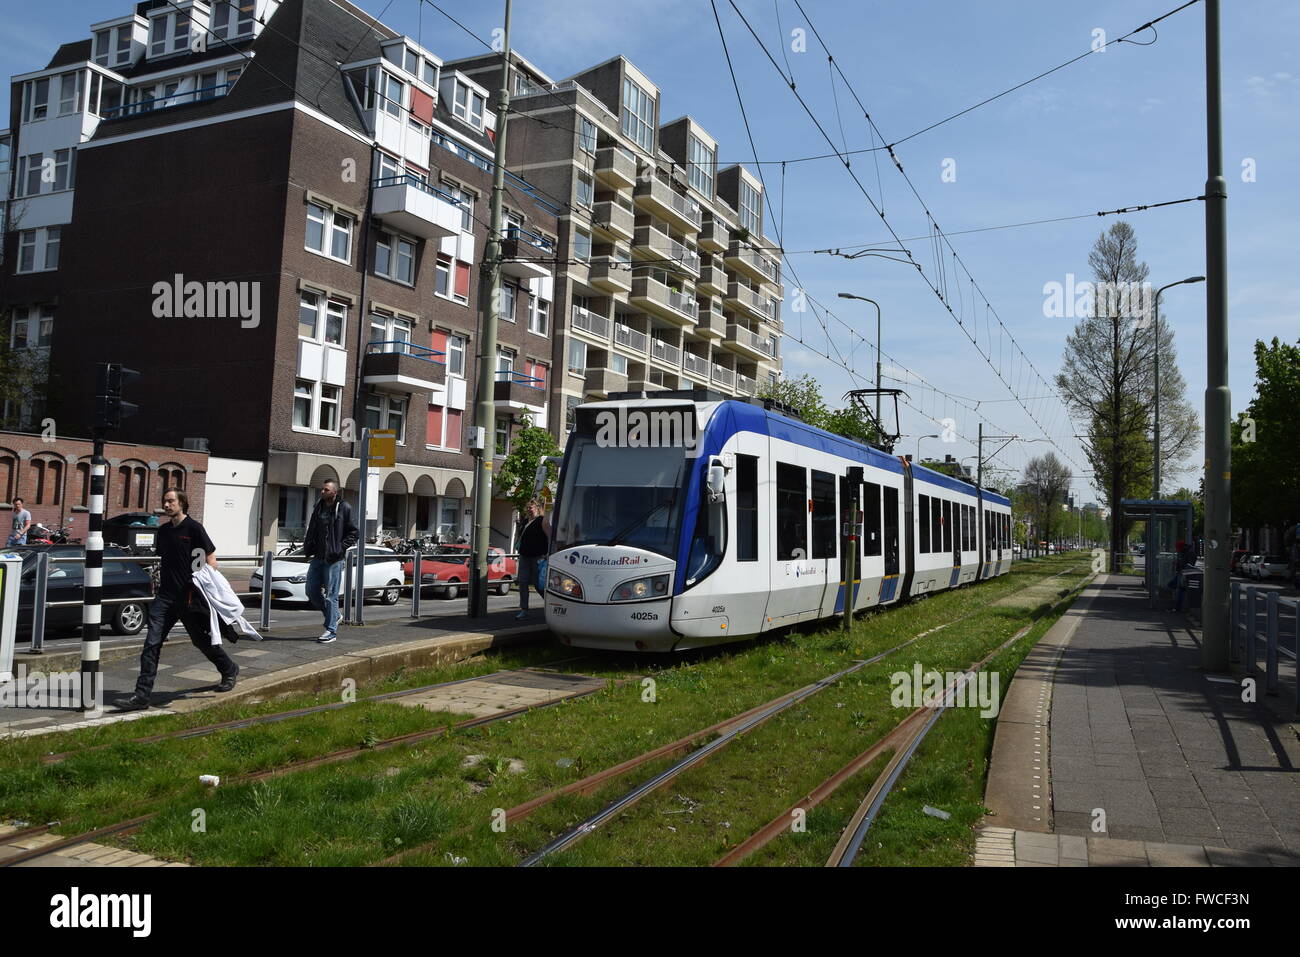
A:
[(534, 545)]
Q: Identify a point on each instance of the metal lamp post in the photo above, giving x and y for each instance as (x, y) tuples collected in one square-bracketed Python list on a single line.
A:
[(918, 445), (1155, 480), (849, 295)]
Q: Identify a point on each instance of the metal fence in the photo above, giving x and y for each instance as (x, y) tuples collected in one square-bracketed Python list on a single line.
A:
[(1279, 626), (262, 564)]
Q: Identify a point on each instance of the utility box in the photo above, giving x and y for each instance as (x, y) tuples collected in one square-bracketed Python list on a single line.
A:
[(11, 576)]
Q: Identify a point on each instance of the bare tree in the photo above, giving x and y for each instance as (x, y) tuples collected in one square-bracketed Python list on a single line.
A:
[(1046, 483), (1107, 379)]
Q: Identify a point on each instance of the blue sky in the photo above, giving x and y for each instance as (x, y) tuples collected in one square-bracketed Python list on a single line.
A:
[(1119, 128)]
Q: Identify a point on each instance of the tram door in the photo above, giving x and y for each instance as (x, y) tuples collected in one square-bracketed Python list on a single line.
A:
[(891, 531)]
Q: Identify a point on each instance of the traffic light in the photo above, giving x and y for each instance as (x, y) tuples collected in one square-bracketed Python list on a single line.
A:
[(110, 410)]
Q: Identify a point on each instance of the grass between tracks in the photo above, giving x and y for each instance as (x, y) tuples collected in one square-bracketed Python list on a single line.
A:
[(445, 791)]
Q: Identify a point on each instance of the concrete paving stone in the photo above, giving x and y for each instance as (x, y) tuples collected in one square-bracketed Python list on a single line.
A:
[(1263, 840), (1035, 839), (1177, 855), (997, 831), (1233, 818), (1284, 860), (115, 858), (1072, 821), (979, 863), (1116, 847), (1122, 830), (1073, 862), (1230, 857), (1110, 860), (1072, 846)]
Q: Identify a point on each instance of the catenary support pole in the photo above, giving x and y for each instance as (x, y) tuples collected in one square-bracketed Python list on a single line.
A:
[(485, 404), (93, 586), (1218, 398)]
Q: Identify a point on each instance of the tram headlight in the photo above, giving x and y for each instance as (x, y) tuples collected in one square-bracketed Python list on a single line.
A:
[(563, 584), (639, 589)]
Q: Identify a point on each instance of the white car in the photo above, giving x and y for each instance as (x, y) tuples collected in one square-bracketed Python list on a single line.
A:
[(1271, 566), (1247, 565), (289, 576)]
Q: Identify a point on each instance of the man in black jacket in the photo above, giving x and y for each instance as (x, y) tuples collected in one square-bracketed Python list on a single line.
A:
[(330, 533)]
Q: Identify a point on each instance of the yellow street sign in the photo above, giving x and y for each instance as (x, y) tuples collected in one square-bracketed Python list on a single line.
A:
[(383, 448)]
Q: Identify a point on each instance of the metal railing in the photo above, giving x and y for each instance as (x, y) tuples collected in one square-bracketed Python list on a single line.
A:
[(410, 179), (152, 103), (589, 321), (263, 568), (1243, 647), (630, 338), (408, 348), (666, 351)]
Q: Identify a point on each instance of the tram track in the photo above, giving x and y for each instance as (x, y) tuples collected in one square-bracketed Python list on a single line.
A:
[(731, 729), (129, 825)]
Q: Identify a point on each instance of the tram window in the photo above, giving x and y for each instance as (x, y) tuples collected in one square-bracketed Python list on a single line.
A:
[(890, 537), (871, 529), (824, 523), (791, 512), (970, 529), (746, 508), (965, 532), (936, 526), (947, 527), (924, 518)]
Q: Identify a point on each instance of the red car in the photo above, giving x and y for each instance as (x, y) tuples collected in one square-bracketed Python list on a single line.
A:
[(450, 565)]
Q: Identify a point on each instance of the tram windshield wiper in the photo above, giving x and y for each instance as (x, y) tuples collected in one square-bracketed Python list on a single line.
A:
[(628, 530)]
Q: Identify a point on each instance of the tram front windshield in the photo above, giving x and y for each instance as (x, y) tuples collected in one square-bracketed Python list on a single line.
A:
[(621, 496)]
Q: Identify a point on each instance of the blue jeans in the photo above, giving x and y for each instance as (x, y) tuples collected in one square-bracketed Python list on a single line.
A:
[(323, 576), (16, 539), (527, 572)]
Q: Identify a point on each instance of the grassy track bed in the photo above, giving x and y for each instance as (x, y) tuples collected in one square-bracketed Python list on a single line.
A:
[(714, 806), (446, 792)]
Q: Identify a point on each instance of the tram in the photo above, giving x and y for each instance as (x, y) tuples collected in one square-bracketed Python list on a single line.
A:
[(688, 519)]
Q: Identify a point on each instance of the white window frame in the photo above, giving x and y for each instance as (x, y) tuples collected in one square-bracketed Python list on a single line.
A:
[(457, 345), (390, 408), (393, 242), (64, 108), (700, 161), (539, 307), (501, 449), (509, 301), (587, 143), (585, 189), (505, 363), (459, 192), (325, 308), (328, 229), (319, 401), (750, 216), (30, 105), (581, 347), (28, 243), (465, 110), (638, 119), (580, 234)]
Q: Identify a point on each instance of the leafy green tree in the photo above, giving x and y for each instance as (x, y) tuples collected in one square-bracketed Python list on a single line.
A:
[(1266, 442), (518, 473), (804, 394), (1046, 482)]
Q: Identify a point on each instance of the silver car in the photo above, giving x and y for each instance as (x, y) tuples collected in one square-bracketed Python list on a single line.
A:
[(289, 576)]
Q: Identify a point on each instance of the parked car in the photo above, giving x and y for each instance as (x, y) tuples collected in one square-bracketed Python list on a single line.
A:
[(448, 566), (1247, 566), (121, 580), (134, 531), (1234, 562), (383, 578), (1272, 566)]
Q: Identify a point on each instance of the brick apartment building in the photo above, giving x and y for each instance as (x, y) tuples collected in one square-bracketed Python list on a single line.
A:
[(277, 212)]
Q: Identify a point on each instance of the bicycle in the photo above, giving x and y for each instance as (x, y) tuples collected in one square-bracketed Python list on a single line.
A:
[(291, 548)]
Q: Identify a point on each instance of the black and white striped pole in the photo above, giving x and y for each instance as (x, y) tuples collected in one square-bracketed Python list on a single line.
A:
[(109, 412), (92, 589)]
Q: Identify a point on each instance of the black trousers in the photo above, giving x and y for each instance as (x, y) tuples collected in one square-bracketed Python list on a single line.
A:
[(163, 615)]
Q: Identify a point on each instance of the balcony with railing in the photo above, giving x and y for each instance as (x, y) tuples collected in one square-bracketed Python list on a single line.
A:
[(616, 167), (697, 366), (751, 262), (625, 337), (412, 206), (665, 352), (723, 376), (399, 365), (611, 273), (713, 279), (672, 304), (745, 385), (661, 200), (525, 254), (747, 301), (151, 103), (749, 343), (591, 322), (514, 390), (658, 247), (711, 323), (614, 220), (715, 234), (602, 379)]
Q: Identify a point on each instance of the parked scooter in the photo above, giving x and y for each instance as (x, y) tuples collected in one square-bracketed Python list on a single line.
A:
[(38, 534)]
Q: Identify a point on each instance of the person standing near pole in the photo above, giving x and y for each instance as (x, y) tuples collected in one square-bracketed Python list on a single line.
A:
[(534, 544), (181, 544), (330, 533), (22, 522)]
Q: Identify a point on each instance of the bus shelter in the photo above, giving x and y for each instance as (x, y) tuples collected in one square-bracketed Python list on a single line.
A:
[(1169, 521)]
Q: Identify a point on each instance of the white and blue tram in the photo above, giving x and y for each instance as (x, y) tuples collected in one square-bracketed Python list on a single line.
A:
[(688, 519)]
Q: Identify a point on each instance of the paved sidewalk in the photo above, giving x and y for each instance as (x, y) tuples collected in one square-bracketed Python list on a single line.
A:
[(289, 659), (1138, 740)]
